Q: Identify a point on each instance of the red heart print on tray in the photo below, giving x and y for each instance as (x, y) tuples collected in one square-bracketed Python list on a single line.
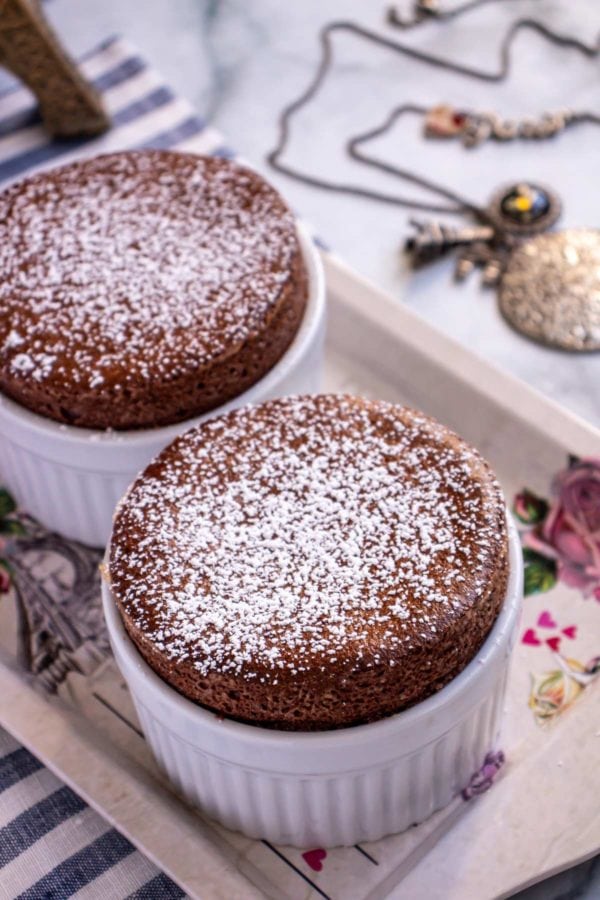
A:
[(314, 858), (530, 637), (545, 620)]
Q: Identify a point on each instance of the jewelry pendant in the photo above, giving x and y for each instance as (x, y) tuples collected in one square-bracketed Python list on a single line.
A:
[(548, 284), (514, 212), (550, 289), (523, 209)]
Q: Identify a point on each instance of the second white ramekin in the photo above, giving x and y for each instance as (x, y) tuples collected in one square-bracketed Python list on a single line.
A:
[(71, 479), (328, 788)]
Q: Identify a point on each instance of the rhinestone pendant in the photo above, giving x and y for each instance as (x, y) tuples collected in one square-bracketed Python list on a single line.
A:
[(548, 284), (550, 290)]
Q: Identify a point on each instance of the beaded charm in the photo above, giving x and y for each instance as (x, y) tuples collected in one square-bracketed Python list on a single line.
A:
[(473, 128)]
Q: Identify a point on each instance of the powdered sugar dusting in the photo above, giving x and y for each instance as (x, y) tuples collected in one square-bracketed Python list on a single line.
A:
[(303, 533), (129, 268)]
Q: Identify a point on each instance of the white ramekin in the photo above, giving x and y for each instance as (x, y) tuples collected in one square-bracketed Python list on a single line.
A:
[(336, 787), (71, 479)]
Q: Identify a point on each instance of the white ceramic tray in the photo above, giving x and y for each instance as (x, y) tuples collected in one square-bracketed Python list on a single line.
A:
[(541, 814)]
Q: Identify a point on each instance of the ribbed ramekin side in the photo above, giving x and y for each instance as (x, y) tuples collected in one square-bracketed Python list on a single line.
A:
[(329, 810), (76, 502)]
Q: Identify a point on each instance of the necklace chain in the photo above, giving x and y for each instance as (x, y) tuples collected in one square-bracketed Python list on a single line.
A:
[(458, 204)]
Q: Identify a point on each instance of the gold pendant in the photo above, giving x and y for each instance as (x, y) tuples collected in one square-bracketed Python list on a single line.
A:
[(550, 289)]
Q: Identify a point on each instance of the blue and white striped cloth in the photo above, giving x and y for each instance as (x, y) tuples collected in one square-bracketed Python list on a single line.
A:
[(143, 110), (52, 845)]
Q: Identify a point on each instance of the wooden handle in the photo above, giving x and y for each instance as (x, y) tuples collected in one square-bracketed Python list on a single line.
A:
[(69, 106)]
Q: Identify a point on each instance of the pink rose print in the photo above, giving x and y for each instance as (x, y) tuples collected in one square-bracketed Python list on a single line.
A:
[(4, 578), (564, 536)]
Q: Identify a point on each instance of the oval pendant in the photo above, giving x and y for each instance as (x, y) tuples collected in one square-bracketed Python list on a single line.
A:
[(524, 208), (550, 289)]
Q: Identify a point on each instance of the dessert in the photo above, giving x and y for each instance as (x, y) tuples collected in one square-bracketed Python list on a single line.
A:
[(311, 563), (143, 288)]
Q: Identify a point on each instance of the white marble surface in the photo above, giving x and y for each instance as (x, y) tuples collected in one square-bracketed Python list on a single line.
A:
[(240, 61)]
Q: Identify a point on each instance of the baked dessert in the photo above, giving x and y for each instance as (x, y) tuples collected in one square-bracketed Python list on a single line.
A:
[(140, 289), (311, 563)]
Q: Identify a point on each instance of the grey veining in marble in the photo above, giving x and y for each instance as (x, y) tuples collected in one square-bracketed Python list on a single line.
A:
[(239, 62)]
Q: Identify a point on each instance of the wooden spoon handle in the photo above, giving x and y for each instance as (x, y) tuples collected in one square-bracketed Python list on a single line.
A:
[(29, 48)]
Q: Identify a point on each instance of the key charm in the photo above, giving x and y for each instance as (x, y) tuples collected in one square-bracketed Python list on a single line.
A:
[(479, 246), (434, 239), (514, 212)]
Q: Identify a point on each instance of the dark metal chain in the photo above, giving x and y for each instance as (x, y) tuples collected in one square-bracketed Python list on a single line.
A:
[(458, 204)]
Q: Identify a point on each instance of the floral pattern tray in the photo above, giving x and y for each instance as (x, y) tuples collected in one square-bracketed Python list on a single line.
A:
[(60, 693)]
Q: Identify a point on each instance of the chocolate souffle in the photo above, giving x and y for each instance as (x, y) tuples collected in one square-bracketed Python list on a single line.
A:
[(140, 289), (311, 563)]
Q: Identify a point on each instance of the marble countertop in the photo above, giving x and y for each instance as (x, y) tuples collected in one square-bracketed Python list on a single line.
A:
[(239, 62)]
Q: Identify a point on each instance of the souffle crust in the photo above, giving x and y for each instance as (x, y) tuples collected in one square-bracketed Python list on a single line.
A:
[(143, 288), (311, 563)]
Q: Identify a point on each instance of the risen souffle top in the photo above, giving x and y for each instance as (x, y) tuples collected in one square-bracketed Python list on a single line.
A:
[(139, 289), (313, 562)]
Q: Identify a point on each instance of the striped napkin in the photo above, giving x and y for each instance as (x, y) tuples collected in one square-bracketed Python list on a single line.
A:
[(144, 113), (52, 845)]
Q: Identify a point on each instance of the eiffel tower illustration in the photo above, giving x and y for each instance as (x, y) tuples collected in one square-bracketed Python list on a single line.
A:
[(57, 591)]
